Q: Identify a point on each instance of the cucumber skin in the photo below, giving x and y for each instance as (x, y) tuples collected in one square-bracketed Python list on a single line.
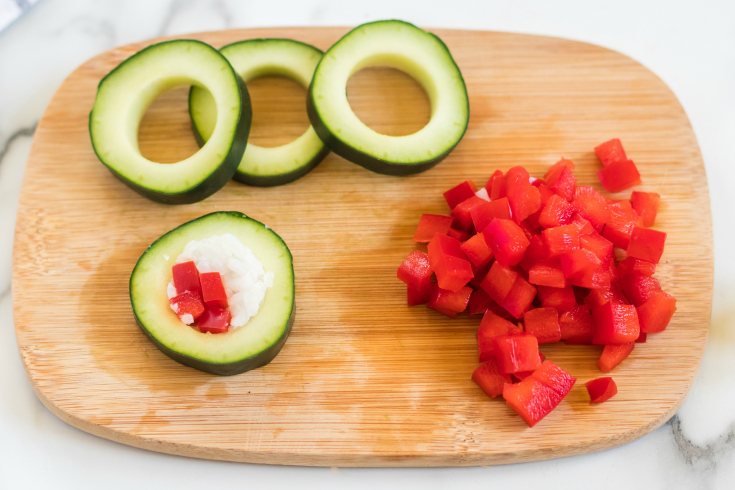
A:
[(216, 179), (228, 369)]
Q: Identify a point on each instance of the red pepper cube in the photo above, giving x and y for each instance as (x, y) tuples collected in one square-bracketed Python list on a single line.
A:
[(601, 389), (498, 282), (496, 185), (484, 214), (538, 394), (612, 355), (641, 338), (524, 200), (617, 231), (449, 303), (645, 205), (563, 183), (491, 326), (507, 241), (610, 152), (561, 239), (429, 224), (646, 244), (639, 287), (477, 251), (489, 379), (619, 176), (417, 296), (520, 298), (547, 274), (590, 205), (561, 299), (462, 213), (415, 271), (480, 274), (213, 290), (188, 306), (442, 246), (557, 211), (479, 303), (458, 234), (631, 264), (582, 268), (584, 226), (453, 273), (518, 352), (544, 324), (615, 324), (655, 314), (214, 320), (460, 193), (536, 252), (546, 194), (598, 245), (576, 326), (599, 297), (186, 277)]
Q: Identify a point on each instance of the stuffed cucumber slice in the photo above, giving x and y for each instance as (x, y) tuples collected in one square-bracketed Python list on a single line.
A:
[(126, 92), (420, 54), (247, 347), (251, 59)]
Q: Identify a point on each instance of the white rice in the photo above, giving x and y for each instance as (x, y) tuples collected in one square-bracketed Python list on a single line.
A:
[(242, 273)]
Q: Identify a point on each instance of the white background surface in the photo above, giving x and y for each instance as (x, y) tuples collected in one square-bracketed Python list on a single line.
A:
[(690, 45)]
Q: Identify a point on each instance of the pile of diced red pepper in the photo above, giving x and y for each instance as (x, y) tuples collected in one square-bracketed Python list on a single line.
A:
[(202, 296), (535, 257)]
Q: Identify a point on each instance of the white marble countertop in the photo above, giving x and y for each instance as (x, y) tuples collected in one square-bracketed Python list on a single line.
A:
[(690, 45)]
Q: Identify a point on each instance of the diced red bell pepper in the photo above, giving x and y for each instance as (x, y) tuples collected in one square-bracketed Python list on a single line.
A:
[(415, 271), (519, 298), (460, 193), (524, 200), (646, 244), (429, 224), (213, 290), (536, 252), (462, 213), (612, 355), (599, 297), (561, 299), (477, 251), (545, 194), (418, 297), (544, 324), (655, 314), (622, 207), (507, 241), (561, 239), (460, 235), (517, 177), (484, 214), (584, 226), (442, 246), (641, 338), (639, 287), (583, 268), (631, 264), (615, 324), (186, 277), (617, 231), (517, 352), (557, 211), (645, 205), (601, 389), (590, 205), (610, 152), (576, 326), (449, 303), (479, 276), (598, 245), (529, 229), (479, 303), (561, 180), (489, 379), (496, 185), (498, 282), (214, 320), (491, 326), (537, 395), (453, 270), (619, 176), (188, 306), (547, 274), (614, 274)]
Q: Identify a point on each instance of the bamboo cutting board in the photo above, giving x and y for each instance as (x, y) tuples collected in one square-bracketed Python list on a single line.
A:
[(363, 380)]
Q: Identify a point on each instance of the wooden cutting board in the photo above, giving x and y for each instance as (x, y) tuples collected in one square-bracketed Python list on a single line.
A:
[(363, 380)]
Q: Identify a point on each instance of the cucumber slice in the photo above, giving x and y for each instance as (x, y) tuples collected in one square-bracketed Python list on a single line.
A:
[(403, 46), (248, 347), (251, 59), (126, 92)]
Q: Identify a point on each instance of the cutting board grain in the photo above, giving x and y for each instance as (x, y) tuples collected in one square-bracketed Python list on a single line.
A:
[(363, 380)]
